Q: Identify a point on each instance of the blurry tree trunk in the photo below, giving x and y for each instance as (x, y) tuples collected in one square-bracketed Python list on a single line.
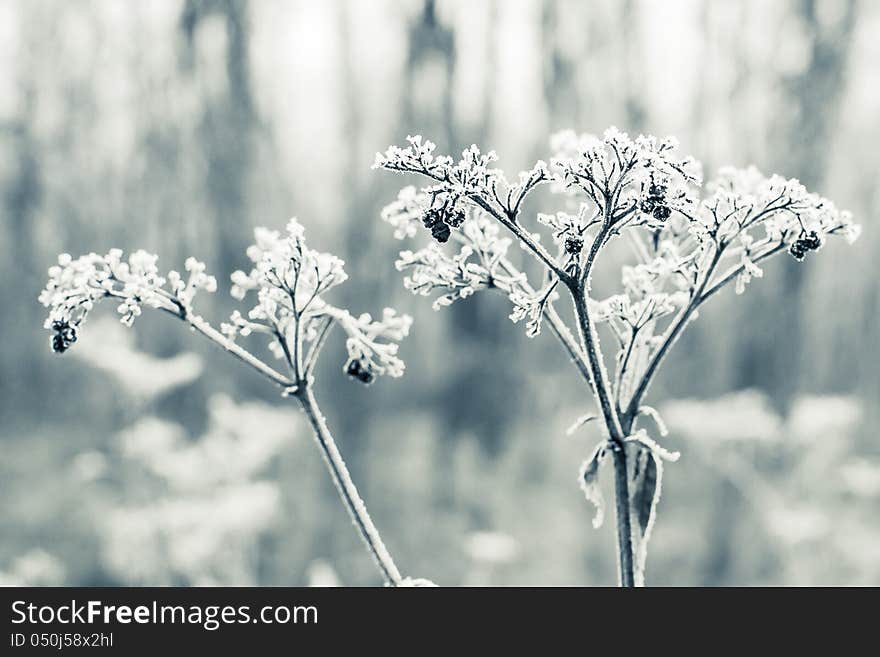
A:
[(480, 374), (356, 411), (427, 110), (560, 71), (428, 72), (633, 71), (810, 103), (227, 125), (723, 531), (22, 196)]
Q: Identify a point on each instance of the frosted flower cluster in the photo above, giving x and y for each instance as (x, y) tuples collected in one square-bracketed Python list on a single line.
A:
[(530, 307), (645, 175), (458, 186), (762, 212), (76, 284), (686, 247), (641, 184), (569, 229), (449, 276), (286, 286), (446, 204), (288, 280), (687, 244)]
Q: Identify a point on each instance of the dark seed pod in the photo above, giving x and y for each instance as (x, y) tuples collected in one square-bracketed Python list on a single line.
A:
[(573, 244), (812, 241), (661, 213), (65, 335), (58, 344), (647, 206), (657, 190), (431, 217), (805, 243), (439, 220), (440, 232), (360, 371), (456, 218)]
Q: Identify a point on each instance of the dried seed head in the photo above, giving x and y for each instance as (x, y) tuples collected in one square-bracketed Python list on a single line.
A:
[(574, 244), (440, 232), (806, 242), (64, 336), (657, 190), (359, 370), (661, 212)]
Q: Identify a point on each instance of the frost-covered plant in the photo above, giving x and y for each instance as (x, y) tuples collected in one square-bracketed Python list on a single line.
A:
[(288, 282), (687, 247)]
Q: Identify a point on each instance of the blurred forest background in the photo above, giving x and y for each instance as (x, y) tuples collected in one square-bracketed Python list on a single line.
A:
[(147, 457)]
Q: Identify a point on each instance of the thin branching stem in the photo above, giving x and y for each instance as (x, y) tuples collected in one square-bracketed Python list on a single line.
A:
[(317, 345), (561, 331), (624, 364), (557, 325), (301, 389), (525, 239), (626, 571), (736, 271), (703, 292), (579, 289), (669, 339), (215, 336), (599, 379), (352, 500)]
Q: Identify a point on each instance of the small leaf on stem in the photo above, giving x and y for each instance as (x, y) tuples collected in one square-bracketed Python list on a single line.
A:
[(589, 480)]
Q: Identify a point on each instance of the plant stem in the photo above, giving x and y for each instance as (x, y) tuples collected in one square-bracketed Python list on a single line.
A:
[(556, 323), (669, 340), (599, 380), (624, 530), (201, 326), (335, 464), (621, 485), (347, 490)]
